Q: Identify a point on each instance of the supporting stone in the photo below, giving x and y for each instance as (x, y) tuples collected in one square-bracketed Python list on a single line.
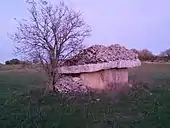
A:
[(105, 78)]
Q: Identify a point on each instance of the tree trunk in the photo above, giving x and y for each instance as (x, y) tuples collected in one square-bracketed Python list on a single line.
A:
[(54, 79)]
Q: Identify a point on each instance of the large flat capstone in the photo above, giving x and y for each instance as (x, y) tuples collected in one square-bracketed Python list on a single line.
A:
[(100, 66)]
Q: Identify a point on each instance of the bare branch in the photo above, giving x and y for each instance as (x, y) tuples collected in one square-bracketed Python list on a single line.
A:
[(51, 34)]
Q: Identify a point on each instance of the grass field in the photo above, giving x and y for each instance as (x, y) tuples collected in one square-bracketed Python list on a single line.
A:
[(146, 105)]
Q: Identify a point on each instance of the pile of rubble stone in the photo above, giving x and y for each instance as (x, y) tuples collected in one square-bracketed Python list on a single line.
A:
[(99, 54), (69, 84)]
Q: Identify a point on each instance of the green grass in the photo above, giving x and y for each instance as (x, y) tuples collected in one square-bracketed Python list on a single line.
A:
[(146, 105)]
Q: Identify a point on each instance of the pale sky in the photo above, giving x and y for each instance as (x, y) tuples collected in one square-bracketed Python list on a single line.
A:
[(133, 23)]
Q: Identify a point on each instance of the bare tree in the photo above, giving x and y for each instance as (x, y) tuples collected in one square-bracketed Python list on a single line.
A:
[(166, 53), (145, 55), (135, 50), (51, 35)]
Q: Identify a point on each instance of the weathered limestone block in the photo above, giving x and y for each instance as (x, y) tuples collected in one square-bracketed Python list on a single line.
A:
[(100, 66)]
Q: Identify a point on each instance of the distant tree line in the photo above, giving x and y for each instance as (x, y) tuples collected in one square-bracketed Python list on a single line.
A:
[(146, 55), (17, 62)]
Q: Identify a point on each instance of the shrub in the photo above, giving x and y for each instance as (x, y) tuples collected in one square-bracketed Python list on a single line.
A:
[(13, 62)]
